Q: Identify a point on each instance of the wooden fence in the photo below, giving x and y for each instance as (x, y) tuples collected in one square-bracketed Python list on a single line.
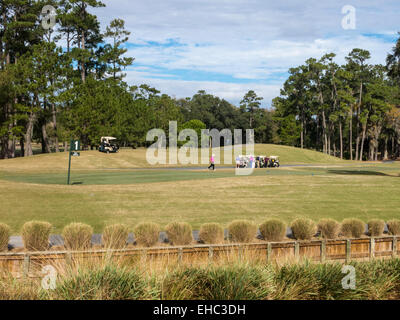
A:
[(30, 263)]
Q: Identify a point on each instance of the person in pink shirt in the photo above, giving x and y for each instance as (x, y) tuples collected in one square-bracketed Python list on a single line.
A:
[(212, 162)]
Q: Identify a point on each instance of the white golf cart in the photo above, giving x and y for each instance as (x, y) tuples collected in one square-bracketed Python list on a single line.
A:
[(108, 145)]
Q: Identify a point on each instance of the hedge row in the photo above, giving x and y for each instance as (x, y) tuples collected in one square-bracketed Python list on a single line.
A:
[(77, 236)]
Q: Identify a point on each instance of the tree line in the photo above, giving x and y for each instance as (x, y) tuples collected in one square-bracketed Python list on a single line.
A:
[(68, 82), (351, 111)]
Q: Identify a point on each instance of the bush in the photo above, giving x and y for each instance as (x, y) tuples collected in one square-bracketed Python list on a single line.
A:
[(4, 236), (353, 228), (211, 233), (329, 228), (303, 229), (394, 227), (376, 227), (229, 282), (77, 236), (115, 236), (273, 230), (242, 231), (35, 235), (179, 233), (101, 283), (147, 234)]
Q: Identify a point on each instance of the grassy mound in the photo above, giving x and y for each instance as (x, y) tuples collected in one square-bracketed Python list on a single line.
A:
[(129, 159)]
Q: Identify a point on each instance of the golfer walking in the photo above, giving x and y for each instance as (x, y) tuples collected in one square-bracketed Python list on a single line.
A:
[(212, 161)]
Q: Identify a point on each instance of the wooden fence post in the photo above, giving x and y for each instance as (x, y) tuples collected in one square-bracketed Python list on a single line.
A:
[(210, 254), (26, 265), (68, 258), (180, 254), (144, 256), (348, 250), (372, 248), (269, 252), (323, 250), (240, 251), (296, 250), (394, 246)]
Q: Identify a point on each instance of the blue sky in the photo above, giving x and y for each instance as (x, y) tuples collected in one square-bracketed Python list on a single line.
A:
[(228, 47)]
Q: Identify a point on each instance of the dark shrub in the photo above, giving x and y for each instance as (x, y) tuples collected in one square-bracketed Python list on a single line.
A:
[(376, 227), (353, 228), (77, 236), (147, 234), (35, 235), (242, 231), (273, 230), (303, 229), (329, 228), (115, 236), (211, 233), (179, 233)]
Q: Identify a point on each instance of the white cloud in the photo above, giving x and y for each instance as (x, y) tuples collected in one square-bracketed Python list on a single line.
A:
[(247, 40)]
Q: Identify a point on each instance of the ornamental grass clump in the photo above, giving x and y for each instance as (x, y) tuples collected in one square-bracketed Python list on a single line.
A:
[(147, 234), (107, 282), (179, 233), (353, 228), (273, 230), (227, 282), (303, 229), (35, 235), (4, 236), (394, 227), (329, 228), (115, 236), (376, 227), (211, 233), (242, 231), (77, 236)]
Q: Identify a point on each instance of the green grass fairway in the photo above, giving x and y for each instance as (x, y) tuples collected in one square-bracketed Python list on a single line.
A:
[(116, 188)]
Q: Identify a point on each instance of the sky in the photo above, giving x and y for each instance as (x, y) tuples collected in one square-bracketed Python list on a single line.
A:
[(227, 47)]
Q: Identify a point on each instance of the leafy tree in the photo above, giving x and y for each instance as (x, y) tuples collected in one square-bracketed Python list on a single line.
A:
[(393, 62), (114, 53), (251, 103)]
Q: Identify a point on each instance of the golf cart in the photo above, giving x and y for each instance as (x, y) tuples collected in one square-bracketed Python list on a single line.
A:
[(273, 162), (261, 161), (108, 144)]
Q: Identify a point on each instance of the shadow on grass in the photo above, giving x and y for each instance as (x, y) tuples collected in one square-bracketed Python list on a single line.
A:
[(78, 182), (361, 173)]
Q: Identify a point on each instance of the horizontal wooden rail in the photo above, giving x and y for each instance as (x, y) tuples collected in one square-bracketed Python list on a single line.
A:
[(318, 250)]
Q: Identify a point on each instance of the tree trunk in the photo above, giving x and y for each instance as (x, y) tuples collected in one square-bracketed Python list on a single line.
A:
[(325, 138), (385, 152), (357, 132), (28, 135), (341, 139), (351, 133), (392, 149), (302, 134), (362, 141), (53, 110), (83, 69), (45, 140), (22, 146), (371, 150), (317, 136)]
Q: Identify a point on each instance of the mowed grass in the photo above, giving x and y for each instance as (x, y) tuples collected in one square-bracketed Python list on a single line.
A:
[(334, 188), (136, 159)]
